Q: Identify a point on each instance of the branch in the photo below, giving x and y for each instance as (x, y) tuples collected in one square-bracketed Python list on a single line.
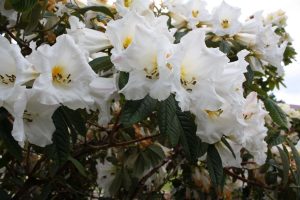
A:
[(254, 183), (25, 49)]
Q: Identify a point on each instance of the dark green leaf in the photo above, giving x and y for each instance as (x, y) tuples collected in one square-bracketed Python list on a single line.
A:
[(168, 121), (23, 5), (30, 19), (214, 165), (101, 64), (274, 139), (296, 157), (4, 195), (123, 79), (101, 9), (75, 121), (78, 166), (225, 47), (277, 115), (116, 184), (285, 166), (136, 111), (5, 135), (224, 141), (59, 150)]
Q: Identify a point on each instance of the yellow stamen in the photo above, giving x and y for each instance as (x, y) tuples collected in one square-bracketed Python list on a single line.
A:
[(225, 24), (127, 3), (214, 114), (195, 13), (59, 76), (127, 41)]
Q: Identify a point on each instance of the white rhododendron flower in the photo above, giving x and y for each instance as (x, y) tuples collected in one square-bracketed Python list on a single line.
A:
[(277, 18), (141, 7), (121, 34), (33, 120), (225, 20), (230, 158), (255, 130), (14, 70), (192, 12), (103, 90), (196, 68), (88, 39), (146, 59), (106, 173), (64, 74)]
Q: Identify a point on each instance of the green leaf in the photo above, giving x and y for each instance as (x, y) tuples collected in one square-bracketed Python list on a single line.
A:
[(4, 195), (30, 19), (123, 79), (168, 121), (5, 135), (214, 165), (285, 166), (277, 115), (179, 127), (116, 183), (78, 166), (101, 64), (224, 141), (225, 47), (274, 139), (296, 157), (75, 121), (101, 9), (136, 111), (23, 5), (59, 150)]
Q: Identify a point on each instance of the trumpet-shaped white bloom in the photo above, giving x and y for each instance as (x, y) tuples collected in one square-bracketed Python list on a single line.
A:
[(225, 20), (14, 71), (149, 73), (33, 120), (277, 18), (88, 39), (64, 74), (196, 68), (103, 91), (121, 34), (255, 130), (141, 7), (192, 12)]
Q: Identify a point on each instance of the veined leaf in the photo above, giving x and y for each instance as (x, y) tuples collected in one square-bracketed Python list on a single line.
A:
[(214, 165), (136, 111), (78, 166), (277, 115), (296, 157), (101, 64), (285, 166), (23, 5)]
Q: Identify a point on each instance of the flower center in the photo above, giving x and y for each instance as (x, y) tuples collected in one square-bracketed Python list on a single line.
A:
[(248, 116), (127, 41), (7, 79), (59, 76), (186, 80), (29, 117), (152, 72), (127, 3), (225, 23), (213, 114), (195, 13)]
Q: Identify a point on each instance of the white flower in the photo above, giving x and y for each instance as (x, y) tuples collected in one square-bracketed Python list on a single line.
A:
[(15, 70), (33, 120), (64, 74), (277, 18), (146, 59), (141, 7), (225, 20), (228, 158), (192, 12), (88, 39), (103, 91), (267, 48), (196, 68), (121, 34), (61, 9), (255, 130), (106, 174)]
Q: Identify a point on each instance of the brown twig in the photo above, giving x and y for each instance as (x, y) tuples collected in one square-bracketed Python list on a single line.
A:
[(251, 182)]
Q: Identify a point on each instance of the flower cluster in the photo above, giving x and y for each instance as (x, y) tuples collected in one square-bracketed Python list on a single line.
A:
[(203, 79)]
